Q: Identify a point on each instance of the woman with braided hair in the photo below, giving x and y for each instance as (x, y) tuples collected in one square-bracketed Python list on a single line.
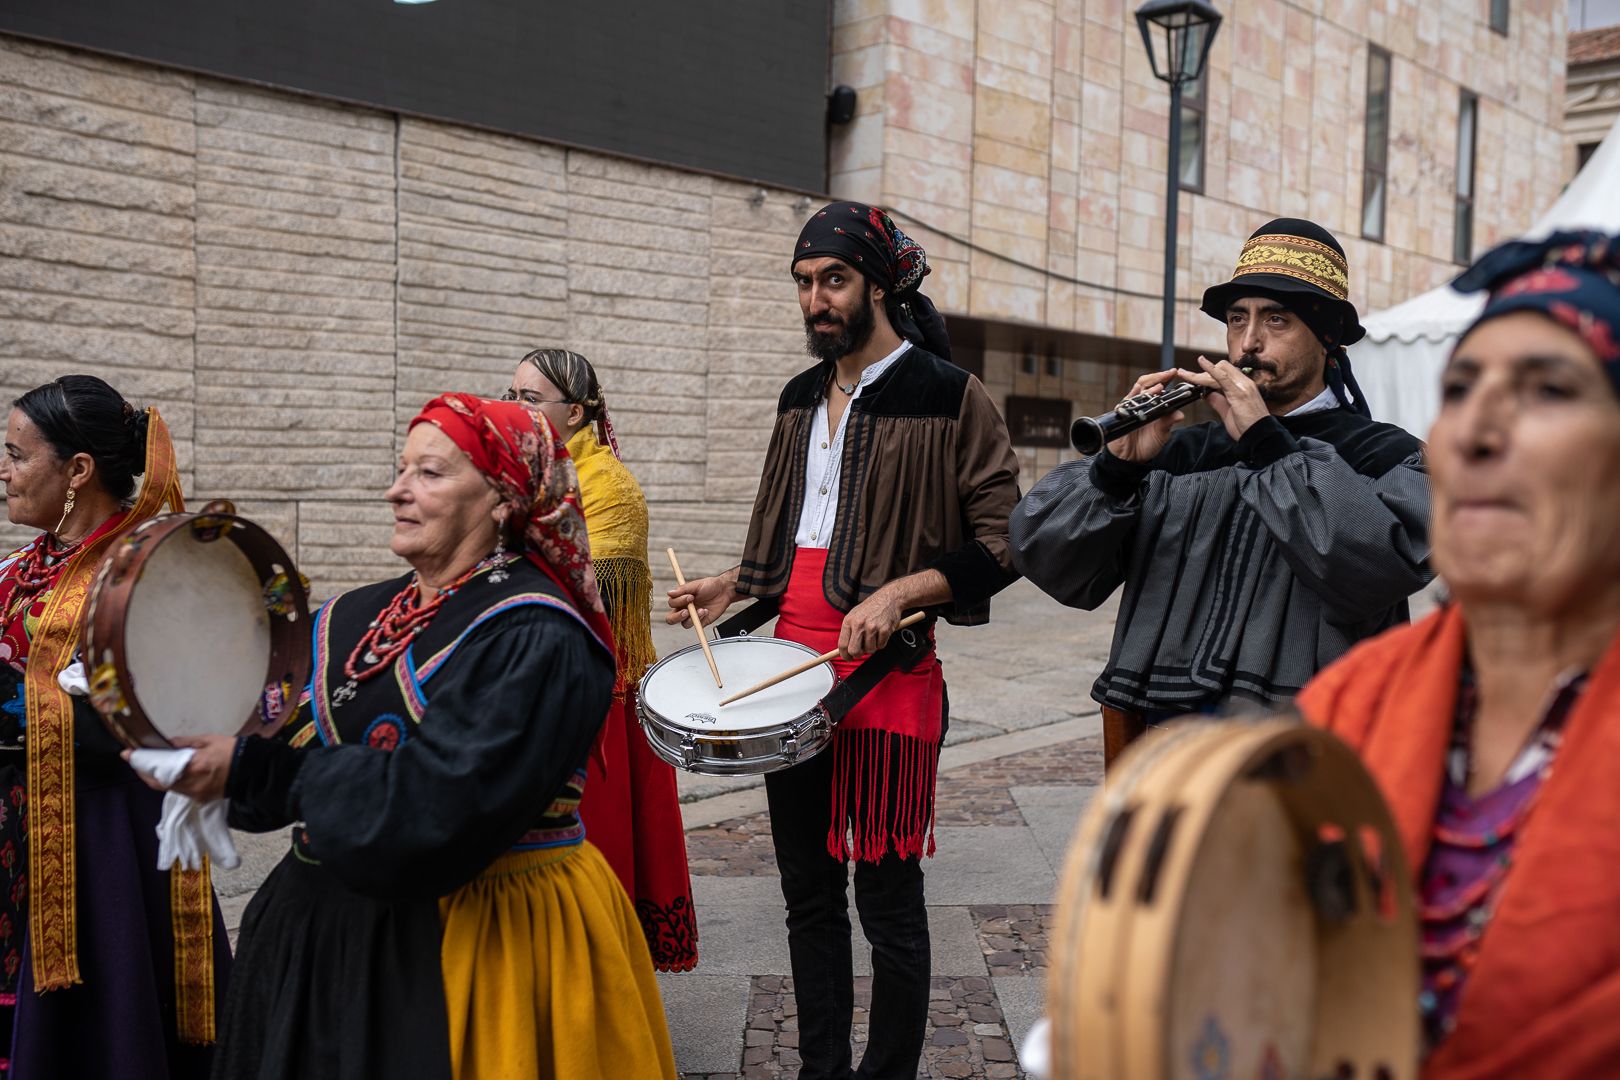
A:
[(630, 809)]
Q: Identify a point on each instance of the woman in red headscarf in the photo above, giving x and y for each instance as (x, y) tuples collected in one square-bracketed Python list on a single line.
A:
[(440, 914)]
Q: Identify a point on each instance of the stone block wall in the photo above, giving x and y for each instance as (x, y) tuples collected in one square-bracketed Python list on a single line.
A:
[(288, 280), (1034, 129)]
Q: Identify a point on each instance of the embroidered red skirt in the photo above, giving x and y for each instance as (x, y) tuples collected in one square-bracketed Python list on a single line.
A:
[(632, 814), (886, 751)]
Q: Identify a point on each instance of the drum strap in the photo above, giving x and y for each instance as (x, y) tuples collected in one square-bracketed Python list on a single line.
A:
[(902, 653), (52, 843), (750, 618)]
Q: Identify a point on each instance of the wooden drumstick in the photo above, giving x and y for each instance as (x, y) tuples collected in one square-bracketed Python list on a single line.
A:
[(800, 669), (697, 623)]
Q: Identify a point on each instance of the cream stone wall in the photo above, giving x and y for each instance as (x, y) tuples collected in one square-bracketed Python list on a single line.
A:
[(288, 280), (1035, 130)]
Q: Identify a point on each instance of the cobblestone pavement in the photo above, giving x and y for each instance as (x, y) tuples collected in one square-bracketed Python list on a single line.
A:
[(970, 1034)]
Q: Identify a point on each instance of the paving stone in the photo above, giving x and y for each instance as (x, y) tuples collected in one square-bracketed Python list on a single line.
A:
[(1052, 813), (706, 1015), (992, 864)]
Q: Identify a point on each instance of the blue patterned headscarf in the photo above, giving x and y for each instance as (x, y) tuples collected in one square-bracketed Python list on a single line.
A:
[(1572, 278)]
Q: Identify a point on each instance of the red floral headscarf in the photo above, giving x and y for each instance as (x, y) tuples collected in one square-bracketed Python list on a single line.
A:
[(521, 455)]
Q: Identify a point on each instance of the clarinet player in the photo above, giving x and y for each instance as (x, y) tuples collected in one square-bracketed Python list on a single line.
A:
[(1256, 548)]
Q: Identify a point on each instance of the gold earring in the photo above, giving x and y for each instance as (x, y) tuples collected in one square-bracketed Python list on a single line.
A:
[(67, 508)]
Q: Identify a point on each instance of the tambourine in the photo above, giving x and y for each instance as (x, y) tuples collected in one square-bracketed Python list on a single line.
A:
[(197, 624), (1236, 904)]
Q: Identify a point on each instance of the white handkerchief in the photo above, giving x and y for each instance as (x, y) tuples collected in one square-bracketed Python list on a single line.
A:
[(186, 830), (1036, 1054), (71, 679)]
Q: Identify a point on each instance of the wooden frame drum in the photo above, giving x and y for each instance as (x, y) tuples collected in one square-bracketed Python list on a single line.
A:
[(1236, 904), (198, 624)]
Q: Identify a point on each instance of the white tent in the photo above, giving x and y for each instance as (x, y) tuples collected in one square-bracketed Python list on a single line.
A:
[(1398, 363)]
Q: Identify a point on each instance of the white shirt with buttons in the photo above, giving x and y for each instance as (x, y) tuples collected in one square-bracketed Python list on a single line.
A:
[(821, 466)]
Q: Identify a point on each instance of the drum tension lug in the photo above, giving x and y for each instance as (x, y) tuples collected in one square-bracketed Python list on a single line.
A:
[(689, 751), (790, 749)]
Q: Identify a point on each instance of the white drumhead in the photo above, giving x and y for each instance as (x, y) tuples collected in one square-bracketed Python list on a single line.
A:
[(682, 690), (197, 637)]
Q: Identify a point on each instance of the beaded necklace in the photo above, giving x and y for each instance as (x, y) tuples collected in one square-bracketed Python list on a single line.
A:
[(37, 570), (392, 631)]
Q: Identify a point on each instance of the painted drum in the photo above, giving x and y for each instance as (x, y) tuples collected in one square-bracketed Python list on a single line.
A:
[(1235, 903), (198, 624), (679, 707)]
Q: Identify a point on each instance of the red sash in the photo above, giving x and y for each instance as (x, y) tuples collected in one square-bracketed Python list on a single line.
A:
[(886, 750)]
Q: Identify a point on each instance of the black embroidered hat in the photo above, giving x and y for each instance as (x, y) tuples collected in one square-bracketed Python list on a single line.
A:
[(1300, 264)]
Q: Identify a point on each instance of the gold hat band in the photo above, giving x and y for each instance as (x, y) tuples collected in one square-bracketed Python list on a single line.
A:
[(1296, 257)]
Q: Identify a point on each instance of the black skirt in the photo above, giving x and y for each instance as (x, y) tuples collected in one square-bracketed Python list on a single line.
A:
[(328, 983)]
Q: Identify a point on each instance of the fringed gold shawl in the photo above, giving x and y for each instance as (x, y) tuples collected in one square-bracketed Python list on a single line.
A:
[(616, 520)]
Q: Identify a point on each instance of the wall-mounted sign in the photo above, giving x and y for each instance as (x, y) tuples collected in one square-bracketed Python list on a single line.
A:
[(1035, 421)]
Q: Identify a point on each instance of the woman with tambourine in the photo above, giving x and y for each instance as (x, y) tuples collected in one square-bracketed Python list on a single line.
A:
[(440, 914), (1493, 726), (108, 966)]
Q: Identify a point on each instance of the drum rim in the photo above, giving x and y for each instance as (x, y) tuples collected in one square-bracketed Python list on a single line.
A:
[(289, 634)]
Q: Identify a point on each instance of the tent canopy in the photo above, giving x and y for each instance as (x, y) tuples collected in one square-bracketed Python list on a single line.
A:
[(1398, 363)]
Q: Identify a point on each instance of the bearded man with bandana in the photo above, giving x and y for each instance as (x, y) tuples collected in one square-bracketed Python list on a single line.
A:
[(886, 489), (1254, 549)]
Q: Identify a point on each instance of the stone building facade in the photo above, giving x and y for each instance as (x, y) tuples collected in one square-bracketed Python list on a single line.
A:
[(1592, 93), (1030, 134), (288, 278)]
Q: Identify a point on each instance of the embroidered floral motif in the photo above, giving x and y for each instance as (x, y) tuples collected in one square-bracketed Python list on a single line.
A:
[(671, 933), (1296, 257)]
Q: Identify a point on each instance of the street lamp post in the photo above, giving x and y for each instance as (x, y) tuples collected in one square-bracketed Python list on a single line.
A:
[(1187, 29)]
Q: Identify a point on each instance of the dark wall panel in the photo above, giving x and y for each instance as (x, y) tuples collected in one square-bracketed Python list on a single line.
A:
[(734, 87)]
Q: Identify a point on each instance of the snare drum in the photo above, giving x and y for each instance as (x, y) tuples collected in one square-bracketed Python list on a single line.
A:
[(197, 624), (680, 710), (1235, 904)]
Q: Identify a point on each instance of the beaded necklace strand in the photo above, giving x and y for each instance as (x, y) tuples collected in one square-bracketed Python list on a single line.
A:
[(392, 631), (37, 570)]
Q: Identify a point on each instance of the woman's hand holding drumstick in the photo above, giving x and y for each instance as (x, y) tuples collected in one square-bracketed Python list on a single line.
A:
[(800, 669), (697, 623)]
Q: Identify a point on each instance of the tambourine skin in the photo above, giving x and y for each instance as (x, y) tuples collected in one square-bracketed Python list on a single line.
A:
[(197, 623), (1235, 903)]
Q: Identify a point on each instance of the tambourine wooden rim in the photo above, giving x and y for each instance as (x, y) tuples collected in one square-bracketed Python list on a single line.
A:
[(114, 690), (1124, 898)]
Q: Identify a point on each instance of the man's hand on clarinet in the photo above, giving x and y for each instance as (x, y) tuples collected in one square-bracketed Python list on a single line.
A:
[(711, 594), (1144, 444), (1236, 399)]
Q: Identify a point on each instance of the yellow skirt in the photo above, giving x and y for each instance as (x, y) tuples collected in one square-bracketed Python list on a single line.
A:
[(547, 974)]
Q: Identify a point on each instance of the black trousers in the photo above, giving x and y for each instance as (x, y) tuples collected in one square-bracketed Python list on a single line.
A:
[(889, 900)]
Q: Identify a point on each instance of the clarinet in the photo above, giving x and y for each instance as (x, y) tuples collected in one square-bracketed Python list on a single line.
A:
[(1089, 434)]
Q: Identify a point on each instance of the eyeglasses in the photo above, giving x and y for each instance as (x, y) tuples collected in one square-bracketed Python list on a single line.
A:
[(532, 397)]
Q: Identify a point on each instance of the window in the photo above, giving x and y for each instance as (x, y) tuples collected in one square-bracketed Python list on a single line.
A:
[(1375, 164), (1583, 154), (1462, 237), (1499, 16), (1194, 104)]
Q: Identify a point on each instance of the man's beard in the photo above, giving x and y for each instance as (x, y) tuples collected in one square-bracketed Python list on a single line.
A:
[(853, 334)]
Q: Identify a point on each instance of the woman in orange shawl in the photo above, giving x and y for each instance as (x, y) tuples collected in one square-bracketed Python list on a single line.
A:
[(1493, 726)]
